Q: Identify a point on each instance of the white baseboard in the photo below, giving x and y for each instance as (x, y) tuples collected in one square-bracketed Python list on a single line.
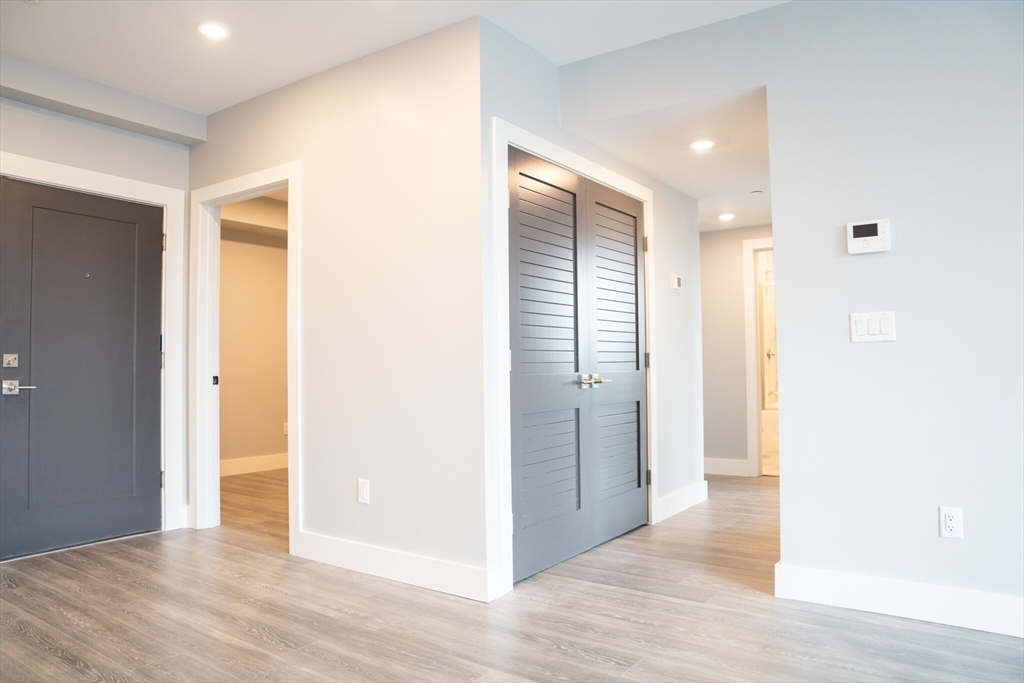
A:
[(418, 570), (674, 503), (731, 467), (923, 601), (256, 463)]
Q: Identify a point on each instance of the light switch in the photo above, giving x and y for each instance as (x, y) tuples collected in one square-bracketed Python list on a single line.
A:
[(873, 327)]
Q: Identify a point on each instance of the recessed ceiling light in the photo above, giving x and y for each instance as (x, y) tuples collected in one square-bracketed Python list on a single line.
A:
[(727, 217), (211, 29), (702, 145)]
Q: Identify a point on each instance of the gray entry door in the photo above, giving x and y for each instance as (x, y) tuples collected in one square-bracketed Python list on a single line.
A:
[(579, 450), (80, 306)]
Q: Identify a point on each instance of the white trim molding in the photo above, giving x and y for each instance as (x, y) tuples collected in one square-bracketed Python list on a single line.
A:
[(683, 499), (253, 463), (732, 467), (962, 607), (175, 501), (752, 352), (497, 429), (204, 334), (427, 572)]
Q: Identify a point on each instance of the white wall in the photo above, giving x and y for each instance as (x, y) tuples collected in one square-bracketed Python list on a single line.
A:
[(42, 134), (910, 111), (391, 309), (253, 345), (522, 87), (724, 336)]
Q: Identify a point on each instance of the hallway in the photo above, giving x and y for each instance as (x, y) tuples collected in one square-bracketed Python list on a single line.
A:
[(688, 599)]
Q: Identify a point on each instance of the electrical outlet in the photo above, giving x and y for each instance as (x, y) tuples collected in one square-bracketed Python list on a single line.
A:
[(286, 429), (951, 522), (363, 491)]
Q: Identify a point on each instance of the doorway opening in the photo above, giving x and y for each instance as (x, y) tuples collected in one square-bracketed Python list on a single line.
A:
[(253, 373), (241, 234)]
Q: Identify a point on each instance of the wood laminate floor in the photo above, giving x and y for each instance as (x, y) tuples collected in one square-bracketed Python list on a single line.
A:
[(688, 599)]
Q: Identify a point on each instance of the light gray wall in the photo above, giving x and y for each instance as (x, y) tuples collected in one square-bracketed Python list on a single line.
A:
[(724, 335), (910, 111), (391, 310), (522, 87), (253, 342), (43, 134)]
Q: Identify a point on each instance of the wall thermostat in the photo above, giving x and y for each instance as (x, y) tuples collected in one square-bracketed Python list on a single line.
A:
[(867, 236)]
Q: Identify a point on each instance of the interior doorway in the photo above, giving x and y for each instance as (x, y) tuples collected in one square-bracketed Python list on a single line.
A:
[(283, 185), (253, 375)]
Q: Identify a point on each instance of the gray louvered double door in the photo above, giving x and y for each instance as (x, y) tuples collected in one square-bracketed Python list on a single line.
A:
[(579, 448)]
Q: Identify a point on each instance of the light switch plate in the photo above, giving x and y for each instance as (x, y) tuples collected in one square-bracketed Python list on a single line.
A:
[(873, 327), (677, 282)]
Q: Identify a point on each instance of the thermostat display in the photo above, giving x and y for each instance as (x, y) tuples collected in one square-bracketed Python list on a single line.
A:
[(866, 237)]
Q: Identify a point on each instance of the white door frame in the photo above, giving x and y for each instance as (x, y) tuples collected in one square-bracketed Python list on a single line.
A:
[(204, 338), (172, 200), (497, 355), (752, 335)]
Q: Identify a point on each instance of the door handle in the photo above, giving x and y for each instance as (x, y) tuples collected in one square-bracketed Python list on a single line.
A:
[(592, 381), (12, 387)]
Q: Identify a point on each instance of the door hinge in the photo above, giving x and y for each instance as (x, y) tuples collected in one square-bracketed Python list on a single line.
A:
[(648, 477), (647, 359), (164, 242), (161, 478), (645, 242)]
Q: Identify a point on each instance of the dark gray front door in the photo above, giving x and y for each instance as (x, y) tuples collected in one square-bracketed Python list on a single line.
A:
[(80, 306), (579, 451)]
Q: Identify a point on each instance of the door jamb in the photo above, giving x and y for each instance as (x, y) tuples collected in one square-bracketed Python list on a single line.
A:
[(498, 357), (172, 397), (204, 335), (751, 330)]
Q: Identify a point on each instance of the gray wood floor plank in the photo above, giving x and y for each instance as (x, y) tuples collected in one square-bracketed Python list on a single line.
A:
[(51, 652), (109, 637), (13, 670), (688, 599), (183, 668)]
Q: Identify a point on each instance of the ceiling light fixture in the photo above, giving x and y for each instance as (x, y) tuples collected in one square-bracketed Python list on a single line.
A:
[(727, 217), (701, 145), (757, 192), (213, 30)]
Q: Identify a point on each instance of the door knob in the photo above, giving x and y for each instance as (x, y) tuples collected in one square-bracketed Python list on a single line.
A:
[(12, 387), (591, 381)]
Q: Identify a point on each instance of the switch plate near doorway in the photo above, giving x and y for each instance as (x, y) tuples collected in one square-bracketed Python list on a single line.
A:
[(873, 327), (363, 491)]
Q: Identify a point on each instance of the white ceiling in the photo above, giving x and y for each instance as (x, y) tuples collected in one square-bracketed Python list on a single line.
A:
[(722, 178), (151, 47)]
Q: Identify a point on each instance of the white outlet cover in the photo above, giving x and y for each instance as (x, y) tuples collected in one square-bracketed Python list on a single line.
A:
[(363, 491), (951, 522)]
